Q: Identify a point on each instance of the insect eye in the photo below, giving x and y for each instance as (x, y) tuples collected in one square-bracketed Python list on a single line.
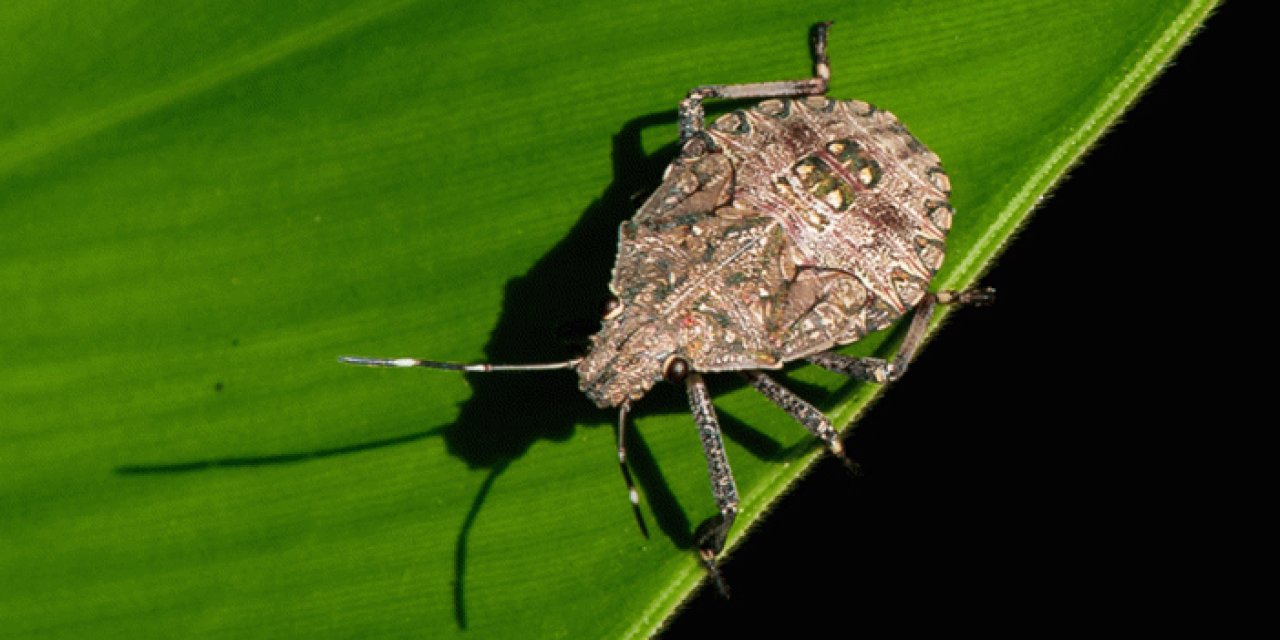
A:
[(612, 308), (675, 369)]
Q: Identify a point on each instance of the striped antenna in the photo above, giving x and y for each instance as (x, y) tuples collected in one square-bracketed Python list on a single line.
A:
[(406, 363)]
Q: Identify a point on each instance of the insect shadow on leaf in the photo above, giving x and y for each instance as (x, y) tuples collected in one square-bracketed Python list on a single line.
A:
[(505, 415), (777, 233), (559, 295)]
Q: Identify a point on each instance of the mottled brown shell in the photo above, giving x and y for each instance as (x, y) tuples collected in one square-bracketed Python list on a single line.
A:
[(795, 227)]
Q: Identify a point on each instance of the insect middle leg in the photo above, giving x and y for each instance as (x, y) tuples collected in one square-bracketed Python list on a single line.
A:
[(713, 532), (806, 414), (880, 370), (692, 113)]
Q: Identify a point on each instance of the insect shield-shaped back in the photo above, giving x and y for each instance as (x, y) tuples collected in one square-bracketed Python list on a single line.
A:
[(786, 230), (863, 205)]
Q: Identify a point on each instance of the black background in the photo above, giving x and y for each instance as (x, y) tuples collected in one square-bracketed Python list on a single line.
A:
[(1043, 465)]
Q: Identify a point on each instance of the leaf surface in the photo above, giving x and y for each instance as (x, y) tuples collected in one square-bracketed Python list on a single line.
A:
[(203, 207)]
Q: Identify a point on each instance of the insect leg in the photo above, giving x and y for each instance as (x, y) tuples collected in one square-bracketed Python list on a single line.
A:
[(977, 296), (879, 370), (711, 534), (803, 412), (691, 111), (623, 410), (869, 369)]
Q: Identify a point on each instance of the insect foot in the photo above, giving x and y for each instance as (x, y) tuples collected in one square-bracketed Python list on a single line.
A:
[(711, 536), (978, 297), (783, 231)]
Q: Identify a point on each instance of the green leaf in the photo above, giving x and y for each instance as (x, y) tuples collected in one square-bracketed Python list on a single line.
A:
[(202, 208)]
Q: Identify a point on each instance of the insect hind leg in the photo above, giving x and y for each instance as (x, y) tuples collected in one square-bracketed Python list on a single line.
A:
[(880, 370), (692, 113)]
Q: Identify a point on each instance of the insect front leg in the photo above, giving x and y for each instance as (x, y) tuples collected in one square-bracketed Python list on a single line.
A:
[(712, 533), (623, 410), (880, 370), (692, 113)]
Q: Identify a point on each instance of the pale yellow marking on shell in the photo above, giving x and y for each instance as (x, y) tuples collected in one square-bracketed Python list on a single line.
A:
[(866, 175), (788, 264), (835, 199), (814, 218), (901, 166), (614, 311), (804, 170), (766, 358), (836, 148)]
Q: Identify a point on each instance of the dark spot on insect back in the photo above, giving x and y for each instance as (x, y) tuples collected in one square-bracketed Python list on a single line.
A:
[(824, 185), (855, 160)]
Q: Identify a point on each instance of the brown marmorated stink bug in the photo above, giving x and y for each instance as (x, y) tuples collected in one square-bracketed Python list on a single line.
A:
[(780, 232)]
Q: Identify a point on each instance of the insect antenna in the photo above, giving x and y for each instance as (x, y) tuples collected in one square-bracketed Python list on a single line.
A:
[(482, 367)]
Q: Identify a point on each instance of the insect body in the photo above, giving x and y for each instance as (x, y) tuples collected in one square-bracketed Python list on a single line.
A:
[(780, 232)]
